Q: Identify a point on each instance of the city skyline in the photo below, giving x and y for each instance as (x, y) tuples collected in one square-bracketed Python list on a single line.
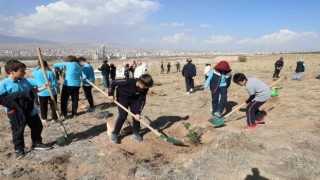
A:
[(208, 25)]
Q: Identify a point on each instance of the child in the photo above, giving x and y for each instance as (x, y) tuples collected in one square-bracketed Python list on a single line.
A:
[(87, 73), (126, 71), (105, 70), (130, 93), (277, 67), (142, 69), (178, 67), (207, 70), (219, 80), (29, 116), (162, 68), (113, 71), (299, 70), (44, 96), (259, 94), (71, 84), (168, 67)]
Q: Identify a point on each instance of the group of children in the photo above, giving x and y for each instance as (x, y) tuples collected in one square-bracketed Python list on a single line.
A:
[(16, 94), (17, 97), (219, 80)]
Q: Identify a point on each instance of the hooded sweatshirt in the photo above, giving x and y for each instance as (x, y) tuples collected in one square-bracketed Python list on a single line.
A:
[(220, 76)]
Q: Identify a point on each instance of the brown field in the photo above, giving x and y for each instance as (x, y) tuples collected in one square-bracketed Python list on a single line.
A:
[(286, 147)]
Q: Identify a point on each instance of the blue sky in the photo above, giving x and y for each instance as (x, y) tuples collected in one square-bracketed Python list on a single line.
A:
[(205, 25)]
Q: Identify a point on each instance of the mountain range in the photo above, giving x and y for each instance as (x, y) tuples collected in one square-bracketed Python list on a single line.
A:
[(21, 40)]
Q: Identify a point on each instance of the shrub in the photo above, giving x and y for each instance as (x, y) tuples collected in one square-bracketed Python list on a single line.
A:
[(192, 134), (242, 58)]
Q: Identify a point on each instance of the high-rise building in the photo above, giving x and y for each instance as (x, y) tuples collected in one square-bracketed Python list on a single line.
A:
[(103, 52)]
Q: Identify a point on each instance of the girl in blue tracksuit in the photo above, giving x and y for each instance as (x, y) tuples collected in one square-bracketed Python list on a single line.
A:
[(44, 96), (71, 85), (87, 73), (219, 80)]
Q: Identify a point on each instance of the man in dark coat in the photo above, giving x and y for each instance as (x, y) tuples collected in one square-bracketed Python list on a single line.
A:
[(277, 67), (105, 70), (189, 72)]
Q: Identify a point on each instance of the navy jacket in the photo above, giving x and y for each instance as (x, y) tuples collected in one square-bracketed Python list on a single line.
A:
[(189, 70), (300, 67), (216, 79), (126, 90), (20, 104)]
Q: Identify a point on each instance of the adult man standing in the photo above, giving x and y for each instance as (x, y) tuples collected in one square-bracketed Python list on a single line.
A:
[(277, 67), (105, 69), (189, 72)]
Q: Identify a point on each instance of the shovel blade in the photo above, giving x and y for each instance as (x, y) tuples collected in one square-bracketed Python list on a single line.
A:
[(275, 92), (216, 121), (171, 140), (65, 139)]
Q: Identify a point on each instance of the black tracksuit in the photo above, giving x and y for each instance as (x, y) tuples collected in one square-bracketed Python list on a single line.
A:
[(129, 96), (19, 106), (277, 67)]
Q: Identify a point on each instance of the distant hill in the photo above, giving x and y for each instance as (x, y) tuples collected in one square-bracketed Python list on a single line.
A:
[(20, 40)]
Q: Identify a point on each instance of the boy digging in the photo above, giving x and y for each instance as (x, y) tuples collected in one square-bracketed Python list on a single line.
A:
[(130, 93), (259, 94), (29, 114)]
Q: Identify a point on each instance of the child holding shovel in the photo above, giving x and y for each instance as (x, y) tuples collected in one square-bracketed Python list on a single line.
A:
[(130, 93), (44, 96), (259, 94), (28, 115), (219, 80)]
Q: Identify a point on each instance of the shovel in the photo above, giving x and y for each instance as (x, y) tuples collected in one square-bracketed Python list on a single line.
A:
[(66, 138), (168, 139), (217, 121)]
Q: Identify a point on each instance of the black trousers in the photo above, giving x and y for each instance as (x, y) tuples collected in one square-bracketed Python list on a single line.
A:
[(251, 112), (134, 108), (68, 91), (88, 94), (189, 83), (44, 107), (276, 72), (34, 124)]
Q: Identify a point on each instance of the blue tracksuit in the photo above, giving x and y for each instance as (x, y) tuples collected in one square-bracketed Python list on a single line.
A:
[(40, 80), (73, 73)]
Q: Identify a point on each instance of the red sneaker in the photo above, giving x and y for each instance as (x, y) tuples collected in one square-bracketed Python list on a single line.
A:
[(261, 121), (250, 127)]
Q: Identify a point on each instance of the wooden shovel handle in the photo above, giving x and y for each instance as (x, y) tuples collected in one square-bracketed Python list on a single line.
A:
[(243, 104), (50, 91), (120, 105)]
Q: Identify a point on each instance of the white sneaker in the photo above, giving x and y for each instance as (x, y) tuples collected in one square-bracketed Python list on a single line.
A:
[(218, 114), (191, 90), (187, 92), (44, 120)]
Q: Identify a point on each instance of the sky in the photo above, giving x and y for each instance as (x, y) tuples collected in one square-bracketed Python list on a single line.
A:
[(193, 25)]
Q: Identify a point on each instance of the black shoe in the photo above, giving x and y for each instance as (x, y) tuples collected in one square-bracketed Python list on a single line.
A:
[(19, 154), (41, 146)]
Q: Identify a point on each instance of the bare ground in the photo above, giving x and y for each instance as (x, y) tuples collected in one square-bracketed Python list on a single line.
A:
[(286, 147)]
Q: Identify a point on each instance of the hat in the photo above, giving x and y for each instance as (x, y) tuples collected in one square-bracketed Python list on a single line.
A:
[(189, 60), (70, 59)]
